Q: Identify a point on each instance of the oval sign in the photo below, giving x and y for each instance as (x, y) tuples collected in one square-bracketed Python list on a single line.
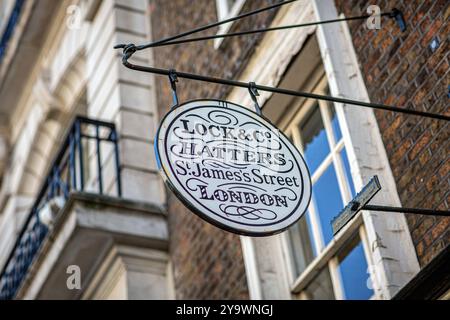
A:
[(232, 167)]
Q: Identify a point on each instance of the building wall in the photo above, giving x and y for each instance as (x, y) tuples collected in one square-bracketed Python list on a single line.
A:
[(207, 262), (75, 70), (115, 93), (400, 69)]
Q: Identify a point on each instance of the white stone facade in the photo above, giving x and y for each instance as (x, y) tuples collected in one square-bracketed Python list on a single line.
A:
[(74, 70)]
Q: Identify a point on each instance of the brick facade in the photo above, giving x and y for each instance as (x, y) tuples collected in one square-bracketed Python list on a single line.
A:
[(207, 261), (401, 69)]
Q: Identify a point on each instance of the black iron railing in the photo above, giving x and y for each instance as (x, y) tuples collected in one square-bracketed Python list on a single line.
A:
[(78, 166), (10, 26)]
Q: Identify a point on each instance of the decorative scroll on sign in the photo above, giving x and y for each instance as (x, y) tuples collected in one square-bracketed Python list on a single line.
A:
[(232, 167)]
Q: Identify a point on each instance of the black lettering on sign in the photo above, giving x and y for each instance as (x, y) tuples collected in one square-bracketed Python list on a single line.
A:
[(232, 167)]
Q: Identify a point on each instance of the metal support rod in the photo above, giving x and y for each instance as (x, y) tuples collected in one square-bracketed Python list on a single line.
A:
[(262, 30), (99, 160), (116, 156), (254, 94), (173, 84), (130, 49), (72, 170), (80, 153), (425, 212), (397, 15), (89, 137), (209, 26)]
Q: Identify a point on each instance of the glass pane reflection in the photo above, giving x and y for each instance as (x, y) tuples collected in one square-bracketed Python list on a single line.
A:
[(328, 201), (354, 272), (335, 123), (300, 236), (314, 138), (348, 174)]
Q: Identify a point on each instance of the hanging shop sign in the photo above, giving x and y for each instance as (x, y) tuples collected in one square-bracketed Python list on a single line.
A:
[(232, 167)]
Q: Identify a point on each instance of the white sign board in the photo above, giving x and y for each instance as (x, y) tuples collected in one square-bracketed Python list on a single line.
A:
[(232, 167)]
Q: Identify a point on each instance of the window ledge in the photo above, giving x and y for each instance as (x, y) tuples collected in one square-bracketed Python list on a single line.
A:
[(323, 258)]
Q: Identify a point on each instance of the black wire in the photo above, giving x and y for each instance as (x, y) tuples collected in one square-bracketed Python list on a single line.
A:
[(241, 33), (208, 26), (129, 50), (427, 212), (308, 95)]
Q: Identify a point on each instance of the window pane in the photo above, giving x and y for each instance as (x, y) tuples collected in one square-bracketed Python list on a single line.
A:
[(348, 174), (321, 287), (335, 123), (328, 201), (334, 118), (354, 272), (314, 138), (302, 246)]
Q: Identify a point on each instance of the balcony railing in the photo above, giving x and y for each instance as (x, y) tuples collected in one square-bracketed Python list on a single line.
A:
[(10, 26), (80, 154)]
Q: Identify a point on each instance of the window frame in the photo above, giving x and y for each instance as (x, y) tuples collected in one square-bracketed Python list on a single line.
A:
[(223, 12), (267, 278), (326, 254), (6, 8)]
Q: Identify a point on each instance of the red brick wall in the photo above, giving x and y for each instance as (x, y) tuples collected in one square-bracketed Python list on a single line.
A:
[(400, 69), (207, 261)]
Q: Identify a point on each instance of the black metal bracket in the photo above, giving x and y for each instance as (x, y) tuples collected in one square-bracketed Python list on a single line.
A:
[(173, 78), (130, 49), (361, 200), (356, 205), (254, 93), (397, 15)]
